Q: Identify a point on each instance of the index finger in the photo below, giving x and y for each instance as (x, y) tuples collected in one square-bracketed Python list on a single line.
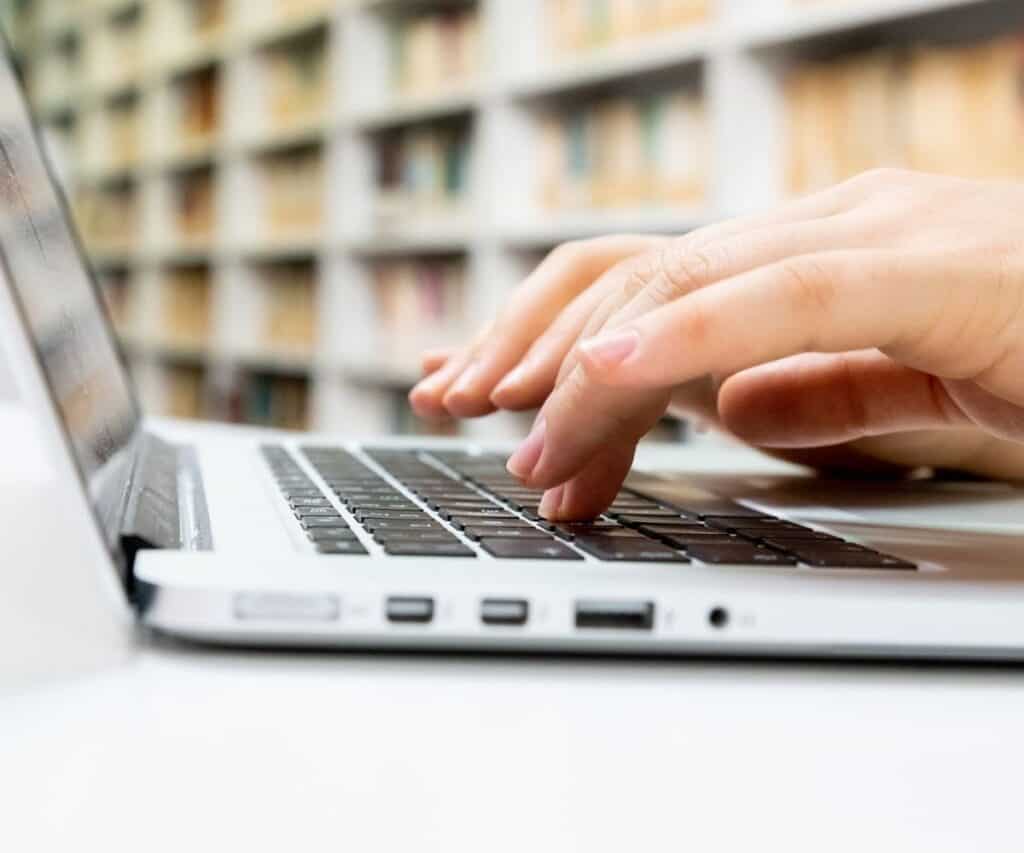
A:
[(831, 302)]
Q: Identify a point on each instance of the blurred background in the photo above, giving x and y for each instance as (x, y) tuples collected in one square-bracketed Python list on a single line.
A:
[(285, 200)]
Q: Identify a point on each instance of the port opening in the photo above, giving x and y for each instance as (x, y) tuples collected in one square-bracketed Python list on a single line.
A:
[(410, 610), (718, 617), (504, 611), (615, 615)]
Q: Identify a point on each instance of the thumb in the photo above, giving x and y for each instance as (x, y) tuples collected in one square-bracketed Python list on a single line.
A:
[(814, 400)]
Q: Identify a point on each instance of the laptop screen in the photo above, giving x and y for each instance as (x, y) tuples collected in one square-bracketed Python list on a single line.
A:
[(61, 308)]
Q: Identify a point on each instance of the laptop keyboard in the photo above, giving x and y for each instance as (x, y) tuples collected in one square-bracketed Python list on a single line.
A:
[(452, 503)]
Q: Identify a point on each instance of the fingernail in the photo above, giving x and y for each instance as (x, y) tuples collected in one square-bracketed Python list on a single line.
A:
[(510, 382), (429, 385), (552, 501), (465, 383), (525, 459), (612, 349)]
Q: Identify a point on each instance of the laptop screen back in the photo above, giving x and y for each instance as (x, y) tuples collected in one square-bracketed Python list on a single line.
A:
[(61, 308)]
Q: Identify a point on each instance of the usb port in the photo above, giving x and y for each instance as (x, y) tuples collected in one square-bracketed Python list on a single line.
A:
[(415, 610), (504, 611), (616, 615)]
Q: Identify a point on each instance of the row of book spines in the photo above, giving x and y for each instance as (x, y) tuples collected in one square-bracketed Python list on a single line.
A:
[(425, 164), (405, 421), (580, 25), (626, 152), (277, 401), (909, 108), (186, 391), (411, 294), (201, 18), (429, 51), (186, 307)]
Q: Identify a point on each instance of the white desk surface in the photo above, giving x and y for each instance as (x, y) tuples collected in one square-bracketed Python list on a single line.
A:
[(170, 747)]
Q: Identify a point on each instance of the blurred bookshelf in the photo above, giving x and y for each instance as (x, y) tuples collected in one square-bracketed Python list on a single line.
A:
[(285, 200)]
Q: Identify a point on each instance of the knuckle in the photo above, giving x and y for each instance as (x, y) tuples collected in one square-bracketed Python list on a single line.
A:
[(809, 284), (697, 325), (878, 179), (688, 266), (636, 275), (569, 253)]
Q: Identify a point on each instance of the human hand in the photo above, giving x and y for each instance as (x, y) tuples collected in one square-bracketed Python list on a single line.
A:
[(880, 320)]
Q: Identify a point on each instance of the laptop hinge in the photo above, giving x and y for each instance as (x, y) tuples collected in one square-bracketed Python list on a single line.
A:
[(151, 515)]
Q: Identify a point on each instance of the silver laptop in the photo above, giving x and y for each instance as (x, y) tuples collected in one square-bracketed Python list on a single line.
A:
[(309, 541)]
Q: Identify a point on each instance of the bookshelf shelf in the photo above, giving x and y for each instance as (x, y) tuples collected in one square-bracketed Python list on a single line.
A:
[(410, 110), (411, 244), (560, 228), (397, 378), (628, 60), (290, 27), (372, 213), (835, 18)]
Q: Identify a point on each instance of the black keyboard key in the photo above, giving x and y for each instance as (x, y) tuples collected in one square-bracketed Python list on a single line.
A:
[(571, 531), (316, 512), (406, 548), (636, 519), (302, 493), (385, 515), (739, 555), (508, 522), (341, 547), (684, 541), (798, 540), (308, 502), (332, 534), (461, 519), (507, 533), (473, 511), (666, 531), (852, 559), (528, 549), (389, 507), (312, 523), (609, 548), (424, 524), (413, 536), (371, 497)]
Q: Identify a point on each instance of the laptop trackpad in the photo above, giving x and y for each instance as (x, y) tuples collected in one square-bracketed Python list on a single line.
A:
[(988, 507), (977, 506)]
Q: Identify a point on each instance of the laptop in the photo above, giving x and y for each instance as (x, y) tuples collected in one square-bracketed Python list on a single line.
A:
[(307, 541)]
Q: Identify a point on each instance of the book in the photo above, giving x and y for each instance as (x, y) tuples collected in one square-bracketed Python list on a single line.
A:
[(193, 196), (419, 304), (422, 174), (185, 307), (293, 190), (297, 82), (108, 216), (123, 133), (273, 400), (290, 317), (434, 51), (624, 151), (183, 391), (578, 26), (199, 108), (951, 109)]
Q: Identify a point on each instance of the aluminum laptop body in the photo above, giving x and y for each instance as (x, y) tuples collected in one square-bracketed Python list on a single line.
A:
[(219, 534)]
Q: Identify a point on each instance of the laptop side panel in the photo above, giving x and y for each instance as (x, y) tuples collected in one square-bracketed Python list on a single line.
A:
[(35, 395)]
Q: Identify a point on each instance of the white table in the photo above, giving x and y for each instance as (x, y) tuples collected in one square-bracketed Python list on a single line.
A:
[(161, 746)]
